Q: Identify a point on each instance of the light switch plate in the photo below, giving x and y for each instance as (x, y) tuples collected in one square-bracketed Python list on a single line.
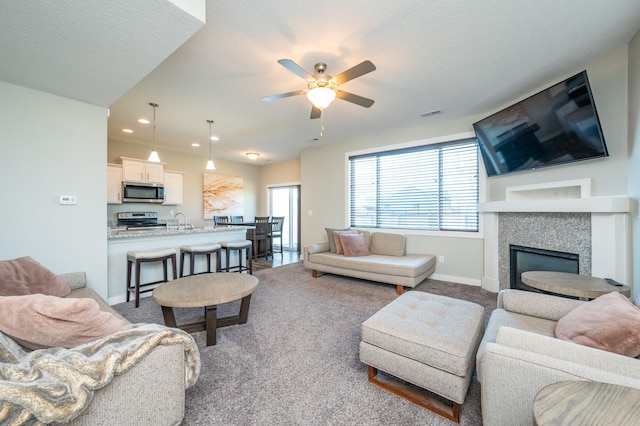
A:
[(68, 200)]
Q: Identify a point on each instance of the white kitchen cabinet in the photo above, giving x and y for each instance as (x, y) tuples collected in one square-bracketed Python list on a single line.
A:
[(173, 192), (114, 184), (134, 170)]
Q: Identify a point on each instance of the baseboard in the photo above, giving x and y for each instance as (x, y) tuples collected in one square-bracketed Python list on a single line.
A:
[(456, 279)]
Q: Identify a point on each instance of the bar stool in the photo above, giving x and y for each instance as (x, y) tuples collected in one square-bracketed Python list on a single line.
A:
[(140, 257), (239, 246), (195, 250)]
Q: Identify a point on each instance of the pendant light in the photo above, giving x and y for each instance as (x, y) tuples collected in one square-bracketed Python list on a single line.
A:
[(210, 165), (154, 154)]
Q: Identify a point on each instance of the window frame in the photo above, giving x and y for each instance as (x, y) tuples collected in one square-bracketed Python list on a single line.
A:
[(482, 181)]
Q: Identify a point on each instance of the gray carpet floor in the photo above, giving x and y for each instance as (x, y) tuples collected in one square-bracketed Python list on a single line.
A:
[(296, 361)]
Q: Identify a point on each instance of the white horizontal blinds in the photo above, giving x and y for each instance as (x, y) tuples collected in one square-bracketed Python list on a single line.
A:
[(405, 189), (459, 187), (363, 192)]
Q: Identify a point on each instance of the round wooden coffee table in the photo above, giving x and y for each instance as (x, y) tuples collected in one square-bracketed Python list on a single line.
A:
[(208, 291), (586, 403), (567, 284)]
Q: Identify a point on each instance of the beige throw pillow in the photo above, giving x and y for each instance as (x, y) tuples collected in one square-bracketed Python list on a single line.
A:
[(331, 238), (354, 245), (26, 276), (336, 238), (39, 321), (610, 322)]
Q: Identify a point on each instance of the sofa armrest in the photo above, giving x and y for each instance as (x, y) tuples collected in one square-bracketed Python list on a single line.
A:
[(74, 280), (569, 351), (317, 248), (511, 378), (536, 304), (158, 384)]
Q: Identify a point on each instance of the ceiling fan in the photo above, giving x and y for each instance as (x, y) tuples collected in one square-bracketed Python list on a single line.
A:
[(322, 88)]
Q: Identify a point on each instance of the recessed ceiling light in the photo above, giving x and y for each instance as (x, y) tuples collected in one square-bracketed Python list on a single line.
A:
[(253, 155), (127, 130), (143, 121), (214, 138), (195, 144)]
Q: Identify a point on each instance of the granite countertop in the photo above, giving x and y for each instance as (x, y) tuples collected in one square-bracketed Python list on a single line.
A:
[(114, 234)]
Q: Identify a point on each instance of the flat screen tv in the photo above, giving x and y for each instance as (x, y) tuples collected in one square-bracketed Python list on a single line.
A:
[(558, 125)]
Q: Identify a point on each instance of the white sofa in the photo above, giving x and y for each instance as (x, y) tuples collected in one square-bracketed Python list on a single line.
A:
[(519, 355), (388, 262)]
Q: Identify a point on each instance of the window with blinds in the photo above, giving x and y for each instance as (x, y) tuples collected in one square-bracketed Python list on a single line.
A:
[(431, 187)]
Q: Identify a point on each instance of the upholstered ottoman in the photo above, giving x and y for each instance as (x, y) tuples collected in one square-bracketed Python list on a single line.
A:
[(427, 340)]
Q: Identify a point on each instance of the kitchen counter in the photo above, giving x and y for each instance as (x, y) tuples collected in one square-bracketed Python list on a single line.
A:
[(120, 241), (114, 234)]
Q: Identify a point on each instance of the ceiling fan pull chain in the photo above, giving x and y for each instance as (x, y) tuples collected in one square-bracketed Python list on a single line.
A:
[(321, 125)]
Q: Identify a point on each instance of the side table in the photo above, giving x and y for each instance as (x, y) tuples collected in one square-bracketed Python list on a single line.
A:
[(582, 286), (586, 403)]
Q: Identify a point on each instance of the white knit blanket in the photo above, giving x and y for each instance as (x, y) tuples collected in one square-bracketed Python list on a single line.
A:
[(57, 384)]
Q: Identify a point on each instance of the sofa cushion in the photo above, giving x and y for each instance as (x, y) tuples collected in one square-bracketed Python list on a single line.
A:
[(353, 244), (25, 275), (610, 322), (332, 241), (39, 321), (338, 241), (411, 265), (388, 244)]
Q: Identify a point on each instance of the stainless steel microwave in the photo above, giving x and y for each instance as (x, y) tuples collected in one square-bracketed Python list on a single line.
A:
[(142, 193)]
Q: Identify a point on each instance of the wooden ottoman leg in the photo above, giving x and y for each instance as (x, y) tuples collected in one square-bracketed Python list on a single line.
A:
[(451, 412)]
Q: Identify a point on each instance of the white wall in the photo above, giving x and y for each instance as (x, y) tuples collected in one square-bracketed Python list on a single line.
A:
[(323, 170), (53, 146), (633, 184)]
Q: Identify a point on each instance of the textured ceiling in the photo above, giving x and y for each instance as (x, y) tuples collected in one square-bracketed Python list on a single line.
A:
[(463, 58), (89, 50)]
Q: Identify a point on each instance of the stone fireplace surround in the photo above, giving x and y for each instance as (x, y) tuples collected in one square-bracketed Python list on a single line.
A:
[(560, 216)]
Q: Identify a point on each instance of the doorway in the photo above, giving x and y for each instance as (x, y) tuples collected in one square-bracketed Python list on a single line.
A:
[(285, 201)]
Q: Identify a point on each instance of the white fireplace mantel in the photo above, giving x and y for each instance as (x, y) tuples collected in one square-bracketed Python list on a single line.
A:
[(571, 196), (612, 204)]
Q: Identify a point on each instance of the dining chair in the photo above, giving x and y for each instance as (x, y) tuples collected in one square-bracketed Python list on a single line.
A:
[(260, 235), (221, 220), (237, 218), (275, 231)]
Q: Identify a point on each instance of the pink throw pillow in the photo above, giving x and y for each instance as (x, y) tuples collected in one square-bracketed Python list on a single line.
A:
[(24, 275), (336, 237), (354, 245), (610, 322), (39, 321)]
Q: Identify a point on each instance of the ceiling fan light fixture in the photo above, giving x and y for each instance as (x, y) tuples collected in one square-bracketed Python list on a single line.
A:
[(252, 155), (321, 97)]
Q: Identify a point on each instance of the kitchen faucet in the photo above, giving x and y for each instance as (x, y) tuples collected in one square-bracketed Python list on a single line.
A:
[(185, 219)]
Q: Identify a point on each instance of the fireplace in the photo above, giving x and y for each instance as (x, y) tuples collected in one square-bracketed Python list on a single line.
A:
[(523, 259)]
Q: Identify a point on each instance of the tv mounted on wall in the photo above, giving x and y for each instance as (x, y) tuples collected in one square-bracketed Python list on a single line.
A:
[(558, 125)]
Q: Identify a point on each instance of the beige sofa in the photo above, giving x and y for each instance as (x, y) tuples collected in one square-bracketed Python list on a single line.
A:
[(388, 262), (519, 355), (152, 391)]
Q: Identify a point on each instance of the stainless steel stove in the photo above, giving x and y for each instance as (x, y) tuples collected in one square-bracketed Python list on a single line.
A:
[(139, 220)]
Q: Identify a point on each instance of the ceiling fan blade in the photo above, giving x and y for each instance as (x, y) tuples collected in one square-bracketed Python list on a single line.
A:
[(354, 72), (358, 100), (283, 95), (315, 112), (295, 68)]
